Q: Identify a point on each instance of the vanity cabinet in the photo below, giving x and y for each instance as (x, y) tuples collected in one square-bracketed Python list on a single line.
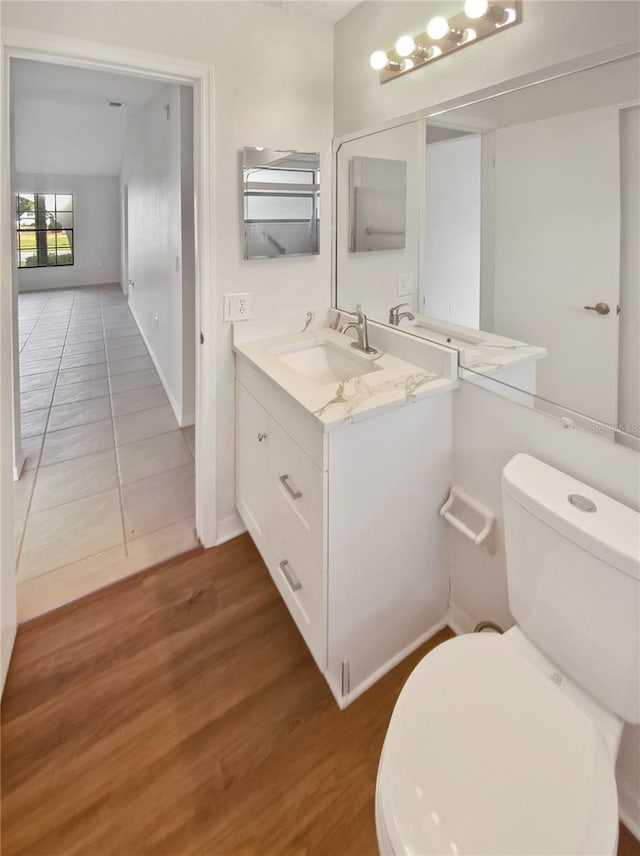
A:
[(347, 523)]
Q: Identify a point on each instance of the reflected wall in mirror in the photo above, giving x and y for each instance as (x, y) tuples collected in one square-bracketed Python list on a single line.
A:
[(378, 213), (523, 240), (280, 196)]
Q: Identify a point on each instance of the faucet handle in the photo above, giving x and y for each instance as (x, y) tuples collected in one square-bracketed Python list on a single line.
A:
[(394, 313), (359, 312)]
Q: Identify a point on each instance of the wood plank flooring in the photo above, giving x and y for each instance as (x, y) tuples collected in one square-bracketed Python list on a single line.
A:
[(180, 713)]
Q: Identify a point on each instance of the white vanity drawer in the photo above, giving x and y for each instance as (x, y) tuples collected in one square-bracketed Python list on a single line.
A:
[(298, 538), (299, 574), (298, 482)]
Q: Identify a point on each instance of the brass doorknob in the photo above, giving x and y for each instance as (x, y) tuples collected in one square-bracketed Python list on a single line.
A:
[(600, 308)]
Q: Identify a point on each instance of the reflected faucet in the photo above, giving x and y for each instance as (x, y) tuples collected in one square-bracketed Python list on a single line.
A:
[(362, 342), (395, 316)]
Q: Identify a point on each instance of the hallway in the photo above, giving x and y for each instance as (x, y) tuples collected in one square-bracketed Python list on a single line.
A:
[(108, 484)]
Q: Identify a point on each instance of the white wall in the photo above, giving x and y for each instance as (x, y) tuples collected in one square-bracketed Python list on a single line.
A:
[(450, 281), (273, 88), (152, 172), (188, 260), (96, 230), (8, 616), (489, 429), (551, 31)]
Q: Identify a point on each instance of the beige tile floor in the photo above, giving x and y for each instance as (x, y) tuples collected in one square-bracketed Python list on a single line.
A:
[(108, 484)]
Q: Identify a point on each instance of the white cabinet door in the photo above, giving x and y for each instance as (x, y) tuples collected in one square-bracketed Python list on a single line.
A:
[(253, 467)]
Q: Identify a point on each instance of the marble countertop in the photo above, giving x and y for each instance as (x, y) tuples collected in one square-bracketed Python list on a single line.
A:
[(480, 351), (392, 382)]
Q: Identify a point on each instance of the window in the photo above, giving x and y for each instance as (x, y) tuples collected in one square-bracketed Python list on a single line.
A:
[(292, 199), (44, 229)]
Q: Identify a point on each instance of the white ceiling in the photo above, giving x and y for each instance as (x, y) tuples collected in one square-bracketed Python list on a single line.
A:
[(62, 120), (327, 11), (82, 86)]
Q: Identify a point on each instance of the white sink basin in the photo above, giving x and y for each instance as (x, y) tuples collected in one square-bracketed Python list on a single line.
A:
[(324, 362)]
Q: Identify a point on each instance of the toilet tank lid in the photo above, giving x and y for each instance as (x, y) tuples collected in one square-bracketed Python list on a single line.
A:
[(611, 532)]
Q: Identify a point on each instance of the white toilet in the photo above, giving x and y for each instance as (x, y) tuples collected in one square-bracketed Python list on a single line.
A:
[(506, 744)]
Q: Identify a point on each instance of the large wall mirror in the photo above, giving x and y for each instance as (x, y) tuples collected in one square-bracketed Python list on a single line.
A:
[(521, 244), (280, 203)]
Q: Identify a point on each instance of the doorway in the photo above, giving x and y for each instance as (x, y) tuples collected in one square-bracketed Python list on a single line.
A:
[(90, 313)]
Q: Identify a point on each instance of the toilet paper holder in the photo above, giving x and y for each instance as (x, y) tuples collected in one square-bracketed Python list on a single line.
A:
[(471, 518)]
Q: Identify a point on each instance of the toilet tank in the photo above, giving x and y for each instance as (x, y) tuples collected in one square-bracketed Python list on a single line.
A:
[(573, 574)]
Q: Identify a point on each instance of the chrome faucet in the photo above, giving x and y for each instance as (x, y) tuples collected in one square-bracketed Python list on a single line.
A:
[(362, 342), (395, 316)]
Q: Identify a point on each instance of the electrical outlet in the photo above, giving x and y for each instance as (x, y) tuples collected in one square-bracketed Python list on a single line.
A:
[(237, 307), (405, 284)]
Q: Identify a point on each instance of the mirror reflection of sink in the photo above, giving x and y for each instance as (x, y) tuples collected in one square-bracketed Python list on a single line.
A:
[(324, 362)]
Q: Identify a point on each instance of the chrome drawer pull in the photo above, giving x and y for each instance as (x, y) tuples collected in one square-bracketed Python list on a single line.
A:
[(294, 494), (289, 575)]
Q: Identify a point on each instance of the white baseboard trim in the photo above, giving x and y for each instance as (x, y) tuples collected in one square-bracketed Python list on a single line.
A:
[(27, 289), (18, 466), (344, 701), (228, 528), (459, 621), (177, 410), (629, 807)]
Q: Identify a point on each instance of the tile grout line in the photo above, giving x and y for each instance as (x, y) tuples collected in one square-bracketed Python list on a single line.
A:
[(115, 445), (102, 311), (44, 438), (108, 490), (32, 328), (102, 552)]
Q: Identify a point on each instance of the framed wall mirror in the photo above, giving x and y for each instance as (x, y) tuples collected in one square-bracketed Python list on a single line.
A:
[(522, 241), (280, 203)]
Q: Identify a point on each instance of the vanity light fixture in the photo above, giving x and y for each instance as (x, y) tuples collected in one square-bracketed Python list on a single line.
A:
[(407, 47), (498, 15), (444, 35), (379, 61), (437, 28)]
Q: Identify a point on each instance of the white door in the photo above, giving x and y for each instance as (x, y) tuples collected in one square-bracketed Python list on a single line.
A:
[(557, 250)]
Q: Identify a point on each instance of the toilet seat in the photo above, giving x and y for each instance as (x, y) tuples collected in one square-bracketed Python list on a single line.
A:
[(486, 755)]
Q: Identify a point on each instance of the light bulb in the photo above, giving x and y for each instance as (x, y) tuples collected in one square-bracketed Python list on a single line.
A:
[(408, 64), (405, 46), (434, 51), (509, 18), (476, 8), (468, 35), (438, 27), (378, 60)]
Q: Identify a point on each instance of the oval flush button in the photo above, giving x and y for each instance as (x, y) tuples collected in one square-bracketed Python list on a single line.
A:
[(582, 503)]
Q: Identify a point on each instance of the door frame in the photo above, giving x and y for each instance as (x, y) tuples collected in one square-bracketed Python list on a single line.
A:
[(31, 45)]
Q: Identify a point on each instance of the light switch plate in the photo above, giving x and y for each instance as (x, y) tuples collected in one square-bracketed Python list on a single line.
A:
[(237, 307), (405, 284)]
